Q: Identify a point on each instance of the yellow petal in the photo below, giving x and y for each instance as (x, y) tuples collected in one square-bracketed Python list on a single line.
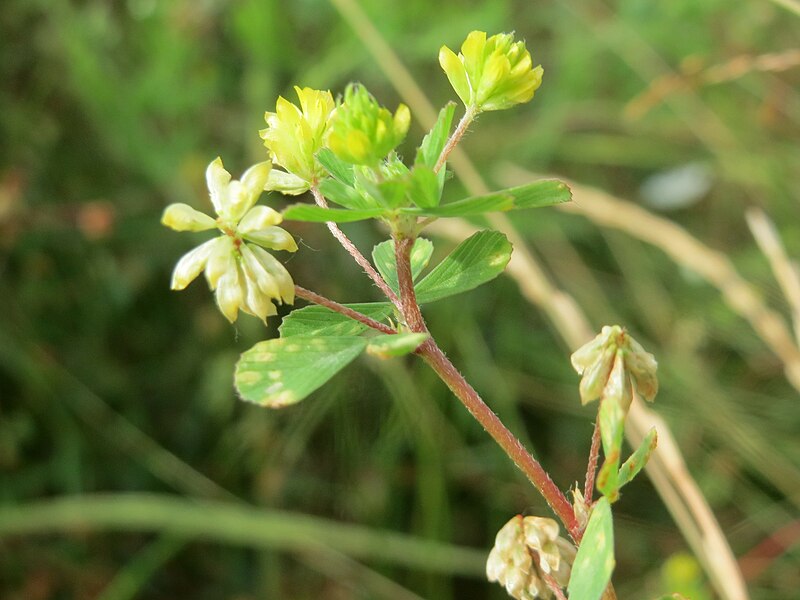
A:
[(182, 217), (217, 179), (259, 217), (191, 264)]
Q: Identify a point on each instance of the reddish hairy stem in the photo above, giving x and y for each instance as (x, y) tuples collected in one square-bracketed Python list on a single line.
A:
[(591, 467), (348, 245), (436, 359), (553, 585), (459, 132), (305, 294)]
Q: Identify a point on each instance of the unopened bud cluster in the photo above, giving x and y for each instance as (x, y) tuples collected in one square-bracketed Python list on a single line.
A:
[(525, 550), (613, 364)]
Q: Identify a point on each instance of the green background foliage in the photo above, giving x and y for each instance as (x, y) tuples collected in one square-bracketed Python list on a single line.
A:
[(110, 110)]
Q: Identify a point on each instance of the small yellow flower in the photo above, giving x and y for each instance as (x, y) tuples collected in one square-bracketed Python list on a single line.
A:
[(525, 549), (491, 74), (295, 134), (244, 275)]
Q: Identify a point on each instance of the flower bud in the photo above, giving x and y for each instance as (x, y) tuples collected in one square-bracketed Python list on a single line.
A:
[(362, 131), (525, 549), (491, 74)]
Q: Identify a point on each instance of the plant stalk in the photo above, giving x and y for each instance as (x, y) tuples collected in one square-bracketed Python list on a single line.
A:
[(305, 294), (348, 245), (459, 132), (591, 467), (436, 359)]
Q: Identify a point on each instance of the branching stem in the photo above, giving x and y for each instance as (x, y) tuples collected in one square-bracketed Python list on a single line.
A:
[(305, 294), (591, 467), (348, 245), (436, 359)]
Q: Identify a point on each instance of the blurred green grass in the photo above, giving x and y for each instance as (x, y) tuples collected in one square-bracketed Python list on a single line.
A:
[(110, 383)]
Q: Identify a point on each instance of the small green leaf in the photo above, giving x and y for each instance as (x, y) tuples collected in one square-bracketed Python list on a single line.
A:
[(387, 346), (639, 458), (612, 423), (344, 195), (384, 259), (424, 189), (322, 322), (317, 214), (476, 260), (338, 169), (540, 193), (594, 563), (278, 372), (433, 143)]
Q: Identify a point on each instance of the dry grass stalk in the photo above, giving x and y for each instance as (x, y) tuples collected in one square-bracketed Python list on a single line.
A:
[(785, 271)]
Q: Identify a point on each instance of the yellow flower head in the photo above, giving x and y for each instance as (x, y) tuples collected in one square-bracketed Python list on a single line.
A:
[(243, 275), (491, 74), (295, 134)]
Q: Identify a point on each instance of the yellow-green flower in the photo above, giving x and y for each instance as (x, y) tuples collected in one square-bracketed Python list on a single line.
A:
[(295, 134), (491, 74), (244, 275), (362, 131)]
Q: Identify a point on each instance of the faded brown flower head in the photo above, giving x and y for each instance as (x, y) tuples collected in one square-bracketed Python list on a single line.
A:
[(525, 549)]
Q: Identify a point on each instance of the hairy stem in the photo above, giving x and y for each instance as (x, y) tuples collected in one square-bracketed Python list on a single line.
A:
[(459, 132), (348, 245), (554, 587), (436, 359), (591, 467), (305, 294)]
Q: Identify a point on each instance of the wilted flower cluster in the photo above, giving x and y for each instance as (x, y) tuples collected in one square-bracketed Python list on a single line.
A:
[(491, 74), (525, 549), (244, 275), (362, 131), (612, 365), (295, 134)]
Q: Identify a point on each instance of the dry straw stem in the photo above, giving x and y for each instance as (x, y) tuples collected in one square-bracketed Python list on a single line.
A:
[(666, 469), (785, 271), (713, 266), (694, 76)]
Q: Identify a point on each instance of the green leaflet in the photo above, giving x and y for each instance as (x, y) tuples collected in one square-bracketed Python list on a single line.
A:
[(398, 344), (384, 259), (546, 192), (317, 214), (594, 563), (320, 321), (476, 260), (279, 372), (636, 462), (433, 143)]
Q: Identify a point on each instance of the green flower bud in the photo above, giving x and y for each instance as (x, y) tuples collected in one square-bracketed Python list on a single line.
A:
[(242, 274), (491, 74), (362, 131), (295, 134), (525, 549)]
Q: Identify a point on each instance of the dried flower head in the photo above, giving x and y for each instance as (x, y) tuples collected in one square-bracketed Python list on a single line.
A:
[(612, 364), (526, 549), (491, 74), (244, 275)]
